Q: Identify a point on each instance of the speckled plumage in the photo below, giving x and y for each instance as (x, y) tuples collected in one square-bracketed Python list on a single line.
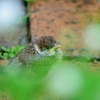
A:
[(32, 54)]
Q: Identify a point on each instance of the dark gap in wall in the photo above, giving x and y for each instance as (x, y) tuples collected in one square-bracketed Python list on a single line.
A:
[(27, 24)]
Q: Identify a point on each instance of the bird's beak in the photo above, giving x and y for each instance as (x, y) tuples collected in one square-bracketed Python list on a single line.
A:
[(55, 48)]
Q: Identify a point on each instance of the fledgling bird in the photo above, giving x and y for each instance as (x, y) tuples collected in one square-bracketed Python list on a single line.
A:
[(44, 49)]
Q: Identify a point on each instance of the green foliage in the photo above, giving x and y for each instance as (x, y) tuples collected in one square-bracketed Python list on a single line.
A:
[(24, 19), (24, 83), (29, 0), (10, 52)]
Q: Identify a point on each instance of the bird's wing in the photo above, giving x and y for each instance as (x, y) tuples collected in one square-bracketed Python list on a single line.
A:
[(26, 55)]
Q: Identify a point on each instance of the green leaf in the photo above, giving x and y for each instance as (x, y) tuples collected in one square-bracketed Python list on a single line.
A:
[(8, 50), (5, 54), (21, 47), (18, 49), (3, 48), (11, 54), (13, 49), (4, 57)]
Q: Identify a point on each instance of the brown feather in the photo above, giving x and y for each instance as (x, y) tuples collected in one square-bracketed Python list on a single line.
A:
[(45, 41), (27, 54)]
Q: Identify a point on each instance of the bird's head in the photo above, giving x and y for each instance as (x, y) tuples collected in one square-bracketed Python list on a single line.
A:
[(47, 46)]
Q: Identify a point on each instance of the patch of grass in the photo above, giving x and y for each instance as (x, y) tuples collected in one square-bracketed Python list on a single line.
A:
[(10, 52)]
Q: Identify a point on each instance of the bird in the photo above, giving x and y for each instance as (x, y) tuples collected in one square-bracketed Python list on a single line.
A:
[(43, 50)]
